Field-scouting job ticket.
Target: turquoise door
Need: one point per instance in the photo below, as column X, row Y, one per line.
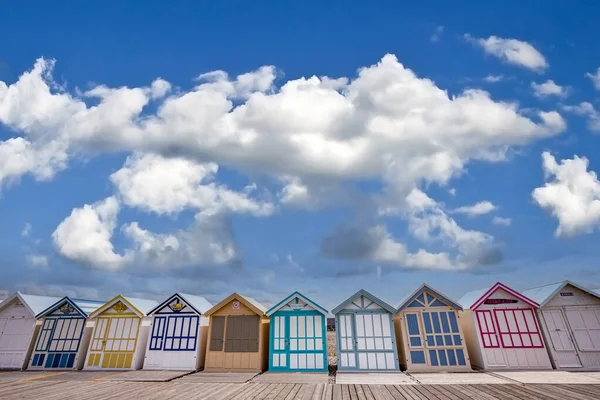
column 298, row 342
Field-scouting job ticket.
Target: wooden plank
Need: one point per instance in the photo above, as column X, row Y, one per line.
column 337, row 392
column 287, row 390
column 294, row 392
column 578, row 390
column 328, row 393
column 394, row 392
column 380, row 392
column 420, row 393
column 443, row 392
column 472, row 392
column 553, row 394
column 360, row 393
column 319, row 390
column 426, row 392
column 405, row 393
column 308, row 391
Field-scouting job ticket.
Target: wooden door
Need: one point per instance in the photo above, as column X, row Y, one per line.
column 490, row 341
column 114, row 342
column 561, row 341
column 306, row 342
column 279, row 343
column 375, row 342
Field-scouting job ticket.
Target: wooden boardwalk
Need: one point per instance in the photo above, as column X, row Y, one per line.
column 59, row 390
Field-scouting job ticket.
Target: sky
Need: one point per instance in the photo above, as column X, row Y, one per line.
column 263, row 148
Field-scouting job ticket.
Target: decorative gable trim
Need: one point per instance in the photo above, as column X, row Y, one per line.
column 367, row 295
column 421, row 292
column 166, row 303
column 59, row 304
column 510, row 291
column 298, row 295
column 230, row 298
column 119, row 308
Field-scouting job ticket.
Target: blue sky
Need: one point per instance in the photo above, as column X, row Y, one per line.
column 127, row 165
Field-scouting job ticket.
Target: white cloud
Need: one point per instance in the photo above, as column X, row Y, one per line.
column 549, row 88
column 26, row 230
column 437, row 34
column 587, row 110
column 481, row 208
column 501, row 221
column 170, row 185
column 595, row 77
column 314, row 136
column 315, row 130
column 207, row 242
column 571, row 194
column 36, row 260
column 494, row 78
column 85, row 235
column 512, row 51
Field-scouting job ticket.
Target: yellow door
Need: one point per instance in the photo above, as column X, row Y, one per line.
column 114, row 342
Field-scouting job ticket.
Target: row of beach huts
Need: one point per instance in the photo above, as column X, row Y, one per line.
column 551, row 326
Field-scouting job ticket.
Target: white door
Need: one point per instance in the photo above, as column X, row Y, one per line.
column 374, row 344
column 585, row 324
column 306, row 342
column 564, row 352
column 347, row 356
column 489, row 339
column 15, row 335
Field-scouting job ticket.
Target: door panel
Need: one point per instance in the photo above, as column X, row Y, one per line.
column 346, row 346
column 374, row 342
column 560, row 339
column 585, row 324
column 280, row 342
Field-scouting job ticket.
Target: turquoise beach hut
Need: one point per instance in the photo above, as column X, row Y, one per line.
column 297, row 335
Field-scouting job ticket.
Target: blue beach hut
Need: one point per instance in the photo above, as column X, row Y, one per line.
column 365, row 334
column 62, row 341
column 297, row 335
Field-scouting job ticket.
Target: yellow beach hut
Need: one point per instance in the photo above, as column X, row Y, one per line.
column 120, row 332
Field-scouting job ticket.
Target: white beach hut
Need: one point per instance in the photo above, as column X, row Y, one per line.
column 178, row 333
column 502, row 331
column 18, row 327
column 570, row 319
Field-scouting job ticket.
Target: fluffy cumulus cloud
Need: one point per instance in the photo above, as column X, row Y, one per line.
column 171, row 185
column 587, row 110
column 481, row 208
column 85, row 235
column 571, row 194
column 512, row 51
column 595, row 78
column 313, row 136
column 549, row 88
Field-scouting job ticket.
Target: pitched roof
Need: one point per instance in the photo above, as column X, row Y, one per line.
column 283, row 302
column 409, row 299
column 543, row 294
column 84, row 307
column 139, row 306
column 472, row 300
column 198, row 303
column 35, row 304
column 247, row 301
column 369, row 296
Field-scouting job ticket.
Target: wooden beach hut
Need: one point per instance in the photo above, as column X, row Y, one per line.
column 502, row 330
column 238, row 338
column 18, row 327
column 178, row 333
column 120, row 331
column 570, row 320
column 297, row 335
column 428, row 331
column 365, row 334
column 62, row 339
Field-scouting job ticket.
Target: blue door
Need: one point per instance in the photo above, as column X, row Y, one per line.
column 298, row 342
